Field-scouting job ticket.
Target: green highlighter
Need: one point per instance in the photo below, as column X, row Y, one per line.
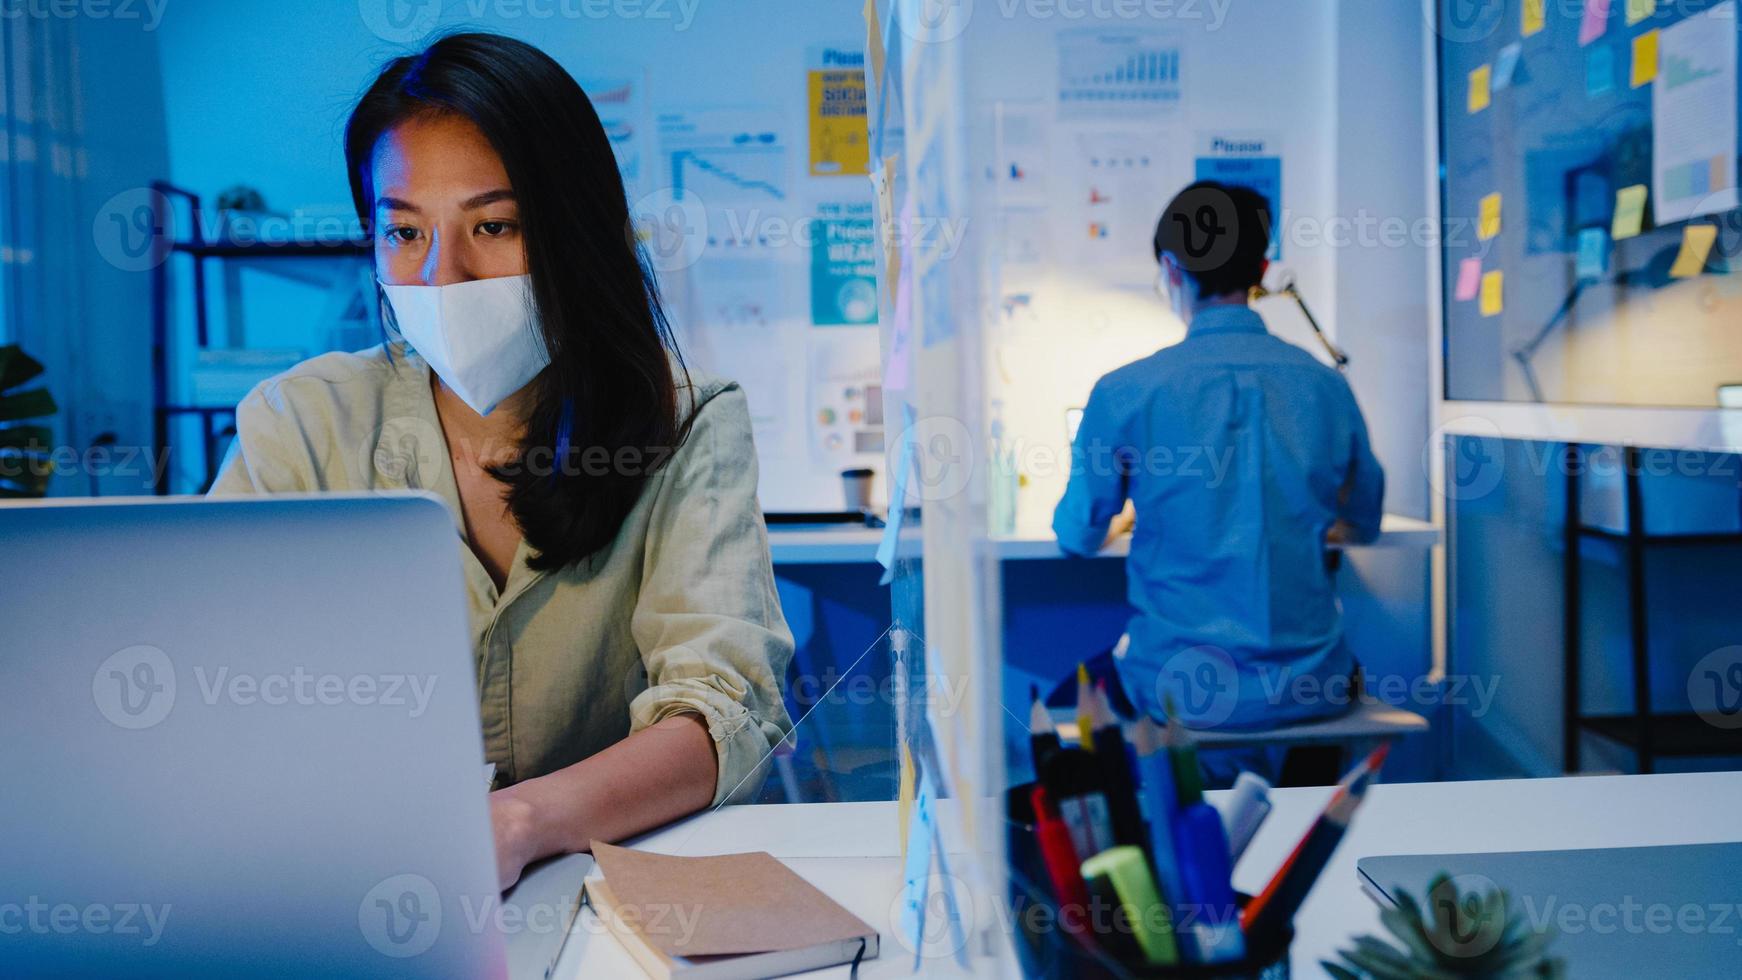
column 1124, row 872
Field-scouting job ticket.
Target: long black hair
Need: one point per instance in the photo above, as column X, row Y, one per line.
column 609, row 392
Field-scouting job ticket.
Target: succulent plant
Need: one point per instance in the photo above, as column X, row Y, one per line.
column 25, row 466
column 1458, row 934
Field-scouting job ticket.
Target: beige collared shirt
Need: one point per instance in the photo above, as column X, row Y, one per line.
column 678, row 614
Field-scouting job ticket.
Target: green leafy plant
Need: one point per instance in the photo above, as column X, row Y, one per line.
column 25, row 466
column 1459, row 934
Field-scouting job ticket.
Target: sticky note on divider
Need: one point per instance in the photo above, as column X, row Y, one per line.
column 1493, row 293
column 1599, row 70
column 1696, row 248
column 1506, row 65
column 1593, row 263
column 916, row 870
column 1469, row 278
column 1488, row 225
column 1596, row 21
column 1629, row 212
column 888, row 547
column 1481, row 92
column 1638, row 10
column 1535, row 14
column 1644, row 59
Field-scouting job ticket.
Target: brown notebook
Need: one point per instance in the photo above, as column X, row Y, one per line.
column 736, row 915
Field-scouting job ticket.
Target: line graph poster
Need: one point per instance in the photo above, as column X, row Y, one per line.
column 1693, row 104
column 840, row 142
column 1112, row 72
column 733, row 163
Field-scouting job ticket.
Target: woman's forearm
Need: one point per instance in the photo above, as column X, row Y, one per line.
column 653, row 777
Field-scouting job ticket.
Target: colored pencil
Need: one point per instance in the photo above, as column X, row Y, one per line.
column 1155, row 772
column 1063, row 865
column 1114, row 761
column 1187, row 777
column 1085, row 693
column 1043, row 735
column 1270, row 913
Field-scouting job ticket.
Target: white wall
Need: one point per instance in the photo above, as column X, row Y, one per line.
column 1382, row 273
column 1266, row 66
column 1340, row 88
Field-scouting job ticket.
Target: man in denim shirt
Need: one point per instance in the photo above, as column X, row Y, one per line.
column 1242, row 457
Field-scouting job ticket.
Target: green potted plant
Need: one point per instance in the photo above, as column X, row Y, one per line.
column 1460, row 934
column 25, row 443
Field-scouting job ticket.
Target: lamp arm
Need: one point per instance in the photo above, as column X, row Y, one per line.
column 1337, row 356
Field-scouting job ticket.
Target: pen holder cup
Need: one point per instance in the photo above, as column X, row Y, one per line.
column 1047, row 949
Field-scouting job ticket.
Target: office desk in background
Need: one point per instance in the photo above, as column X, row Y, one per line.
column 845, row 544
column 1058, row 610
column 849, row 850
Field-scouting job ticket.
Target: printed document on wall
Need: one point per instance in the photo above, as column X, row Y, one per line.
column 1693, row 106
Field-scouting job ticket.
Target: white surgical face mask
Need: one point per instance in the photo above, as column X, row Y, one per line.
column 481, row 337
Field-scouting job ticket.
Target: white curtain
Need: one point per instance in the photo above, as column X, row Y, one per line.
column 44, row 246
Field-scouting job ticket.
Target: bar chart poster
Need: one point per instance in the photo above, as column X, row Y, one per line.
column 1112, row 72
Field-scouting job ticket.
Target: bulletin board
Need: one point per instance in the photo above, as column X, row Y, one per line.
column 1591, row 224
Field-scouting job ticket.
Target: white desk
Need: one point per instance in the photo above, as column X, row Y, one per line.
column 849, row 850
column 814, row 545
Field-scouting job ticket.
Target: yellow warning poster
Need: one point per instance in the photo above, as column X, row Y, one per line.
column 840, row 139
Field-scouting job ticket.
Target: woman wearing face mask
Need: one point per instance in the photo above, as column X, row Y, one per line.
column 630, row 646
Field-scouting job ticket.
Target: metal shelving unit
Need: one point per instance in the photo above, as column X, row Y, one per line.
column 1651, row 735
column 216, row 422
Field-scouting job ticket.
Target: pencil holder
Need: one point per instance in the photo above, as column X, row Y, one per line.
column 1046, row 949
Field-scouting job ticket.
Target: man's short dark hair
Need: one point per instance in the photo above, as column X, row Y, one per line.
column 1218, row 233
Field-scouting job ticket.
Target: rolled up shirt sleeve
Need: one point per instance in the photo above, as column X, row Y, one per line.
column 1362, row 501
column 1099, row 481
column 708, row 620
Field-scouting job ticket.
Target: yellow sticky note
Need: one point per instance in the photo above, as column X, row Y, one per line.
column 1696, row 246
column 1638, row 10
column 1480, row 94
column 1535, row 15
column 904, row 797
column 1489, row 224
column 1629, row 212
column 1493, row 293
column 1644, row 59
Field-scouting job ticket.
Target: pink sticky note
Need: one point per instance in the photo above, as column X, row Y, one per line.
column 1469, row 278
column 1596, row 21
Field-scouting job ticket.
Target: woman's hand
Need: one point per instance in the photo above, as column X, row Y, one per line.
column 661, row 773
column 516, row 845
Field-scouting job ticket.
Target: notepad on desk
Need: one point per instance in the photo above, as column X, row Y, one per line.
column 721, row 918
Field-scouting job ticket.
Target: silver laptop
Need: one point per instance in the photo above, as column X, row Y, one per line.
column 241, row 738
column 1615, row 912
